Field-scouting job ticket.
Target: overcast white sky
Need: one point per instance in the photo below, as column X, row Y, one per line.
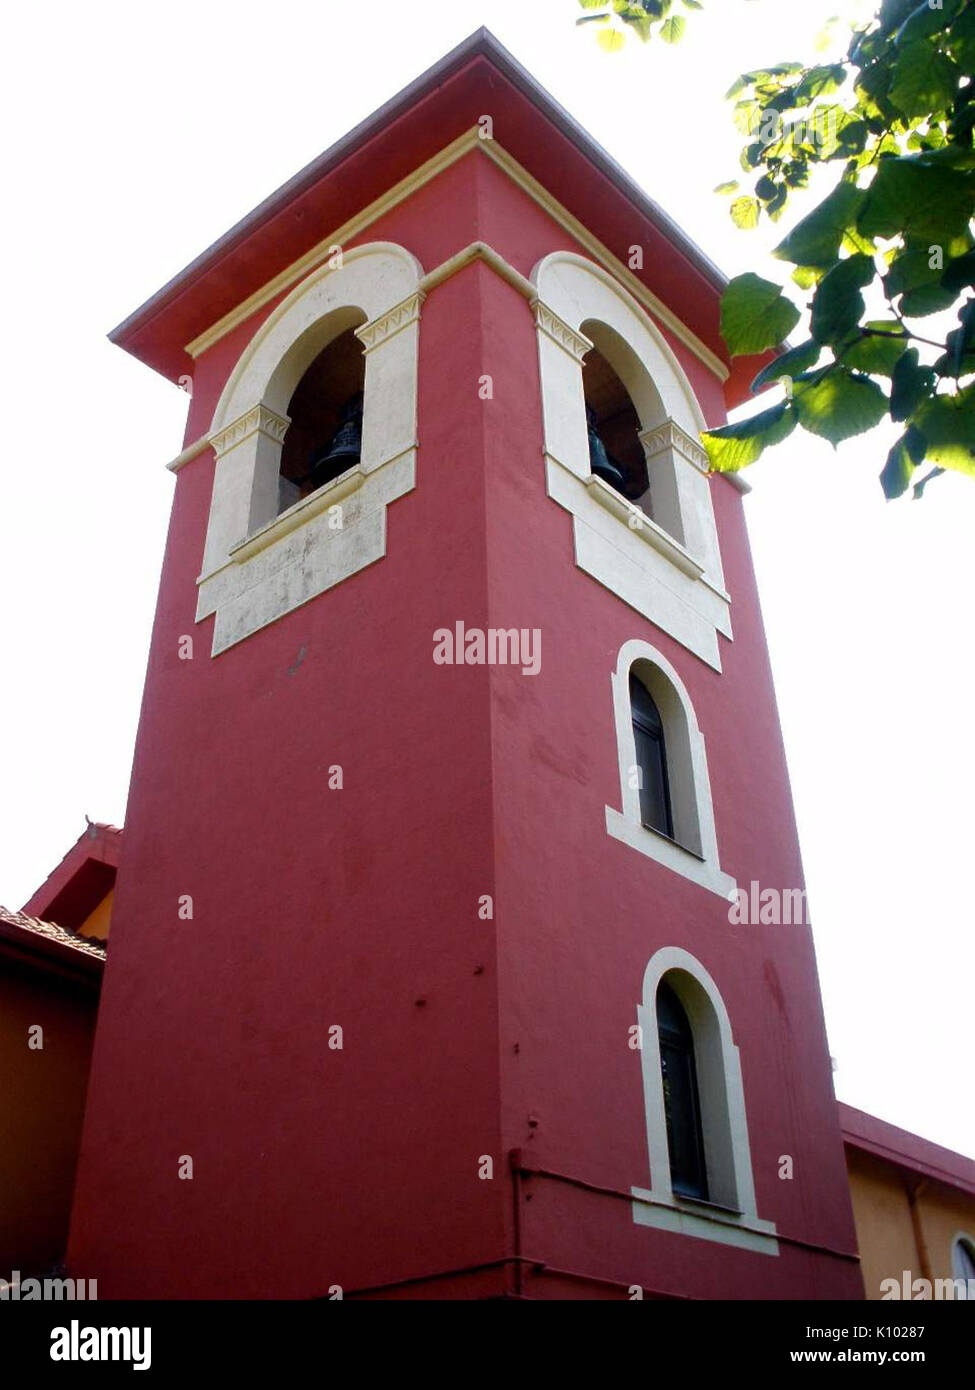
column 137, row 134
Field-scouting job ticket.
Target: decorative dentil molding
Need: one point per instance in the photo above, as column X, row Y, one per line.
column 548, row 322
column 380, row 330
column 669, row 435
column 258, row 420
column 438, row 276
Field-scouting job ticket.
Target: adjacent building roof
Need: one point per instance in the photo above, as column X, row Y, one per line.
column 78, row 884
column 46, row 931
column 905, row 1150
column 32, row 939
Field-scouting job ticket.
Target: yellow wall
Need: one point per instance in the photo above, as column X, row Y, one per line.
column 885, row 1230
column 97, row 923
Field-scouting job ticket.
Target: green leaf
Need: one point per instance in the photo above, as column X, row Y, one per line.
column 839, row 405
column 960, row 274
column 926, row 299
column 961, row 40
column 910, row 385
column 916, row 272
column 817, row 82
column 792, row 364
column 815, row 241
column 761, row 76
column 897, row 472
column 838, row 305
column 851, row 137
column 755, row 315
column 672, row 30
column 948, row 425
column 744, row 213
column 805, row 276
column 910, row 268
column 924, row 80
column 878, row 350
column 610, row 39
column 959, row 359
column 925, row 19
column 928, row 477
column 641, row 25
column 735, row 446
column 919, row 200
column 731, row 186
column 953, row 156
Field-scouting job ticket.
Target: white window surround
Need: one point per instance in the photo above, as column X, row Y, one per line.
column 668, row 569
column 731, row 1216
column 257, row 565
column 693, row 852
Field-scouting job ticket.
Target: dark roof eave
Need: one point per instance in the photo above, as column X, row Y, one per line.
column 43, row 952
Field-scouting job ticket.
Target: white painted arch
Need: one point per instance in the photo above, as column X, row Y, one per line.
column 580, row 290
column 693, row 852
column 258, row 565
column 731, row 1215
column 372, row 279
column 661, row 554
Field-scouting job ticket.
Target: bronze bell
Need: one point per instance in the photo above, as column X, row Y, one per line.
column 344, row 448
column 599, row 460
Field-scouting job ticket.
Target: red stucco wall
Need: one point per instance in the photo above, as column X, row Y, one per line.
column 314, row 907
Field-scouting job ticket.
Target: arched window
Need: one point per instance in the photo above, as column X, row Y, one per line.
column 701, row 1181
column 963, row 1260
column 324, row 437
column 666, row 811
column 651, row 760
column 682, row 1104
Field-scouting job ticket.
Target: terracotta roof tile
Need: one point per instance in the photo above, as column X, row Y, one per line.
column 88, row 946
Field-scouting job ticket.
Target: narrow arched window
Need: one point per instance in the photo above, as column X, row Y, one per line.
column 963, row 1261
column 651, row 760
column 682, row 1106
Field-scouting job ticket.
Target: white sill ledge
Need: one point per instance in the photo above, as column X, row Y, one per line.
column 661, row 848
column 704, row 1221
column 636, row 520
column 297, row 514
column 669, row 854
column 716, row 1209
column 685, row 849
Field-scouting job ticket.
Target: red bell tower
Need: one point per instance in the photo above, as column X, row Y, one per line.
column 458, row 741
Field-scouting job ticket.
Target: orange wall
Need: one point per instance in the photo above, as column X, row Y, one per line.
column 41, row 1107
column 885, row 1231
column 97, row 923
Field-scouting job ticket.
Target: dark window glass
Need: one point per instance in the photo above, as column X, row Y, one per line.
column 651, row 759
column 685, row 1139
column 963, row 1261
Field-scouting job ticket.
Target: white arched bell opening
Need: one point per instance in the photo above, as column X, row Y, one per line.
column 580, row 306
column 258, row 565
column 731, row 1216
